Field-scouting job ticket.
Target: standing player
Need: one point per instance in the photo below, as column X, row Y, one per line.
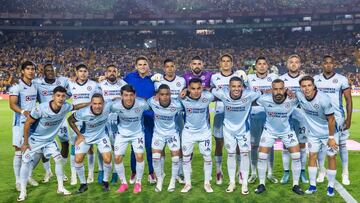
column 22, row 101
column 40, row 130
column 335, row 86
column 165, row 133
column 237, row 103
column 81, row 91
column 291, row 80
column 197, row 71
column 110, row 89
column 320, row 126
column 94, row 119
column 197, row 130
column 130, row 130
column 260, row 81
column 45, row 87
column 278, row 108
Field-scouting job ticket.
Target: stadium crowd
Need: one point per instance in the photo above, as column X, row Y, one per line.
column 98, row 49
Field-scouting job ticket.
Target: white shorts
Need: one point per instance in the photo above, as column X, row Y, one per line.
column 17, row 135
column 315, row 144
column 49, row 149
column 343, row 134
column 256, row 129
column 231, row 141
column 268, row 140
column 189, row 139
column 173, row 142
column 218, row 125
column 121, row 143
column 103, row 145
column 63, row 132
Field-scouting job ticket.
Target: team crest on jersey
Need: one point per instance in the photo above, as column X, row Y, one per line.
column 178, row 84
column 27, row 156
column 189, row 110
column 137, row 110
column 172, row 109
column 156, row 142
column 244, row 100
column 106, row 93
column 58, row 83
column 269, row 80
column 287, row 105
column 116, row 148
column 89, row 88
column 316, row 106
column 45, row 93
column 77, row 147
column 203, row 77
column 228, row 108
column 157, row 116
column 204, row 100
column 335, row 81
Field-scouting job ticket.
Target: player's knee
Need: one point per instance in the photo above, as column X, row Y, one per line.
column 118, row 159
column 207, row 158
column 78, row 159
column 263, row 156
column 175, row 159
column 107, row 158
column 295, row 155
column 156, row 156
column 139, row 157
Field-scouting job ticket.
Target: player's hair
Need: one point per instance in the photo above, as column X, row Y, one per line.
column 97, row 95
column 277, row 81
column 195, row 80
column 59, row 89
column 47, row 65
column 196, row 58
column 163, row 87
column 27, row 63
column 260, row 58
column 294, row 56
column 81, row 65
column 127, row 88
column 307, row 78
column 327, row 56
column 226, row 55
column 168, row 60
column 141, row 58
column 111, row 65
column 236, row 78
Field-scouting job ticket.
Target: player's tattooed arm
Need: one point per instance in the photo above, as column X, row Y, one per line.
column 81, row 105
column 72, row 120
column 27, row 125
column 349, row 107
column 331, row 125
column 13, row 102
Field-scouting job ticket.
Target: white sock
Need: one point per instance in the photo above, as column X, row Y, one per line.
column 72, row 164
column 321, row 158
column 91, row 163
column 312, row 175
column 303, row 158
column 286, row 159
column 107, row 170
column 64, row 161
column 231, row 165
column 162, row 161
column 59, row 173
column 344, row 156
column 24, row 174
column 80, row 170
column 238, row 160
column 181, row 172
column 174, row 166
column 156, row 158
column 254, row 159
column 271, row 161
column 139, row 171
column 218, row 161
column 207, row 168
column 120, row 169
column 261, row 166
column 47, row 166
column 187, row 169
column 331, row 174
column 244, row 166
column 17, row 165
column 296, row 167
column 100, row 161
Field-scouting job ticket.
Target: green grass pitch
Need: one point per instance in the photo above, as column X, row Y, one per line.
column 274, row 193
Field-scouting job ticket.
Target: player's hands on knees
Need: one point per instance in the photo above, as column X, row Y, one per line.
column 25, row 147
column 27, row 114
column 332, row 144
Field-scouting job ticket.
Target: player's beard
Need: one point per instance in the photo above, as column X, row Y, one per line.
column 112, row 78
column 279, row 98
column 197, row 71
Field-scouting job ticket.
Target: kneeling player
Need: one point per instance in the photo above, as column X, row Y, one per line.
column 236, row 131
column 320, row 122
column 278, row 109
column 165, row 132
column 45, row 121
column 94, row 119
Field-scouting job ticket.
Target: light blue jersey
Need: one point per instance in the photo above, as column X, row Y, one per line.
column 93, row 126
column 130, row 118
column 48, row 122
column 236, row 111
column 315, row 112
column 197, row 113
column 82, row 93
column 45, row 90
column 334, row 88
column 111, row 90
column 26, row 95
column 292, row 83
column 164, row 117
column 277, row 115
column 220, row 81
column 176, row 85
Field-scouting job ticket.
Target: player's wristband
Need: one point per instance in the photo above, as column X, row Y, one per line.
column 331, row 137
column 22, row 111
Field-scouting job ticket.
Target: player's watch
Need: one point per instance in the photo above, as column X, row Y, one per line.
column 331, row 137
column 22, row 111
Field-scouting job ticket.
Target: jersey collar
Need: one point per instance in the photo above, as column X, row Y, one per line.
column 83, row 83
column 236, row 98
column 122, row 102
column 166, row 105
column 327, row 78
column 169, row 80
column 26, row 83
column 316, row 91
column 53, row 110
column 232, row 72
column 294, row 76
column 94, row 112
